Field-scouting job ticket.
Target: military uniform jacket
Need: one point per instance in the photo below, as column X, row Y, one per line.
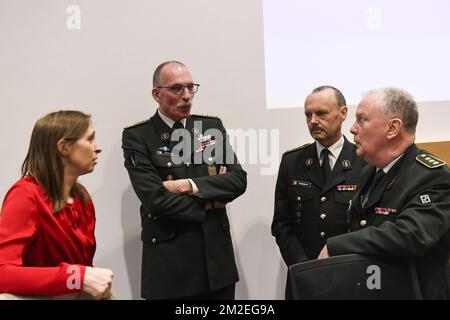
column 307, row 212
column 187, row 250
column 407, row 216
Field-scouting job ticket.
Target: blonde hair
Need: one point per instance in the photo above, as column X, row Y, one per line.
column 43, row 161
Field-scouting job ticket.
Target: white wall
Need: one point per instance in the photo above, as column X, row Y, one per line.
column 105, row 69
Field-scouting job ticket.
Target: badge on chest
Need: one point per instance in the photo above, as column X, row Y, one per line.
column 299, row 183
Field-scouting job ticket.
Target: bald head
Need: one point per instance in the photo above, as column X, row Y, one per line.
column 159, row 71
column 338, row 96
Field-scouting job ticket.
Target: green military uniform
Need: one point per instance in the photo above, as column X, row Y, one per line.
column 407, row 215
column 187, row 250
column 307, row 212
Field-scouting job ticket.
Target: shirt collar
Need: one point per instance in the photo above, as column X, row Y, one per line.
column 335, row 149
column 169, row 121
column 390, row 165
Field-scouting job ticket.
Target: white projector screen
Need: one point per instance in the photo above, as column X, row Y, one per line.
column 355, row 45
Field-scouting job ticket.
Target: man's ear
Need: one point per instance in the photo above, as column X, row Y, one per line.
column 155, row 94
column 395, row 125
column 63, row 147
column 343, row 113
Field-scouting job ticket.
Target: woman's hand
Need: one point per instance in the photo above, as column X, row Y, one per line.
column 98, row 282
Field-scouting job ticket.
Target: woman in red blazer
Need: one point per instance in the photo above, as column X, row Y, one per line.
column 47, row 220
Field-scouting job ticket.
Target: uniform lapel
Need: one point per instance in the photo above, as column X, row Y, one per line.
column 378, row 191
column 162, row 129
column 393, row 174
column 362, row 188
column 312, row 163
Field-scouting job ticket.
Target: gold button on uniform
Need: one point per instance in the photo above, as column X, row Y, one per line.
column 154, row 240
column 322, row 234
column 323, row 216
column 299, row 198
column 169, row 164
column 149, row 215
column 323, row 199
column 363, row 223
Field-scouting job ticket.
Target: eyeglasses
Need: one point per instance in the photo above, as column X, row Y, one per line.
column 178, row 89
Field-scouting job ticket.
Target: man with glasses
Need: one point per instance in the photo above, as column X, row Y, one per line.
column 316, row 182
column 183, row 187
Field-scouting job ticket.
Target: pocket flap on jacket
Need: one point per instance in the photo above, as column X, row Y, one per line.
column 304, row 193
column 344, row 197
column 155, row 232
column 161, row 161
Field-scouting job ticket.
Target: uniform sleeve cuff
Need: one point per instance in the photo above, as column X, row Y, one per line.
column 195, row 191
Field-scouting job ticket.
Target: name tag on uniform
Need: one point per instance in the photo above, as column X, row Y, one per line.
column 304, row 184
column 385, row 211
column 347, row 187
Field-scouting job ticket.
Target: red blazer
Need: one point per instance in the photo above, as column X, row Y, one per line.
column 42, row 253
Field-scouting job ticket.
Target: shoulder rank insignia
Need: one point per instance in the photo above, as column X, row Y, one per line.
column 204, row 116
column 137, row 123
column 429, row 161
column 298, row 148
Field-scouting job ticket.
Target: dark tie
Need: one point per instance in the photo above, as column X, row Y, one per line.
column 376, row 179
column 326, row 169
column 177, row 125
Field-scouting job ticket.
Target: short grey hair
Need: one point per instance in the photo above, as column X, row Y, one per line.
column 399, row 103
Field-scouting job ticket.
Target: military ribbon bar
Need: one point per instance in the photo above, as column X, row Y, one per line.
column 385, row 211
column 347, row 187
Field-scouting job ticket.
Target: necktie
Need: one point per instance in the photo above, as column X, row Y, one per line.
column 177, row 125
column 376, row 179
column 326, row 169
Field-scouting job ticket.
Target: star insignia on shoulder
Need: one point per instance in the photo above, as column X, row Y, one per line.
column 137, row 123
column 298, row 148
column 429, row 161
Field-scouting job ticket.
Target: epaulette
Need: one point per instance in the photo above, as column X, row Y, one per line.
column 137, row 123
column 204, row 116
column 429, row 161
column 298, row 148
